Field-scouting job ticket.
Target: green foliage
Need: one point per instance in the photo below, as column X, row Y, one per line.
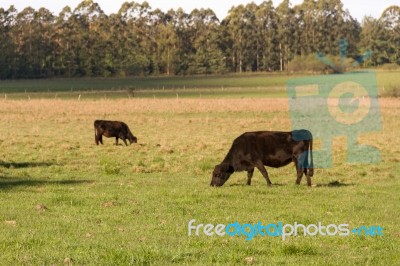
column 307, row 63
column 310, row 64
column 139, row 41
column 382, row 37
column 389, row 67
column 109, row 167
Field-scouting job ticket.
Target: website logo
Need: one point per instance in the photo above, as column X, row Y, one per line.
column 343, row 104
column 249, row 231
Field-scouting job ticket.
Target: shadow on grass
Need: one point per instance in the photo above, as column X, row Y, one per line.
column 10, row 182
column 24, row 164
column 331, row 184
column 335, row 184
column 245, row 185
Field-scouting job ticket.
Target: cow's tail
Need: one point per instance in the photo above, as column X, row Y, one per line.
column 311, row 165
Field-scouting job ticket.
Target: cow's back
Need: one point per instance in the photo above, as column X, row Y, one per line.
column 264, row 141
column 109, row 128
column 270, row 147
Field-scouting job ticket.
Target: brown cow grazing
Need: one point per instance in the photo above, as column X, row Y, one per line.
column 110, row 129
column 275, row 149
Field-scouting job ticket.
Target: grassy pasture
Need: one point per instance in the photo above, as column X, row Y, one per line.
column 227, row 86
column 65, row 200
column 146, row 83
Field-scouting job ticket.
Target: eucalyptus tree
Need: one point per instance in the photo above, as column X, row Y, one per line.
column 183, row 48
column 25, row 43
column 207, row 55
column 62, row 36
column 267, row 21
column 45, row 46
column 328, row 27
column 286, row 30
column 8, row 60
column 390, row 20
column 351, row 31
column 370, row 27
column 165, row 42
column 335, row 24
column 252, row 42
column 245, row 36
column 382, row 37
column 87, row 19
column 306, row 27
column 137, row 40
column 235, row 29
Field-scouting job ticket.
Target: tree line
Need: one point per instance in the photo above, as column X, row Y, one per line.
column 139, row 40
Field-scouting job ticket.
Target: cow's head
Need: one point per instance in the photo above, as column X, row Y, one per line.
column 132, row 139
column 220, row 174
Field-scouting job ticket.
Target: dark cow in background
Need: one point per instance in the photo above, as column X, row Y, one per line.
column 116, row 129
column 275, row 149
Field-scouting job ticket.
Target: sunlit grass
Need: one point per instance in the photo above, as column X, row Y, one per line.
column 225, row 86
column 117, row 205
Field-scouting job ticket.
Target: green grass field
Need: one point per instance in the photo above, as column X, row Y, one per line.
column 67, row 201
column 155, row 83
column 233, row 85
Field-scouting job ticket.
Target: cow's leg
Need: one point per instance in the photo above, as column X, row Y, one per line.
column 249, row 176
column 116, row 141
column 95, row 136
column 308, row 175
column 126, row 144
column 299, row 172
column 260, row 166
column 98, row 136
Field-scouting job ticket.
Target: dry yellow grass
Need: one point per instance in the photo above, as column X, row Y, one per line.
column 111, row 107
column 204, row 123
column 160, row 117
